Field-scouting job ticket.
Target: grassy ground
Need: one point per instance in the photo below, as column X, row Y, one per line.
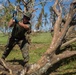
column 39, row 44
column 3, row 39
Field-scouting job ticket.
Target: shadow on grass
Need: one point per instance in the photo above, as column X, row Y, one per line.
column 60, row 63
column 70, row 73
column 16, row 61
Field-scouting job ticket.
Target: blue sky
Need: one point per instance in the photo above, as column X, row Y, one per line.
column 39, row 6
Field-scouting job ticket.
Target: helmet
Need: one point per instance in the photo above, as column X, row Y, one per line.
column 28, row 15
column 74, row 1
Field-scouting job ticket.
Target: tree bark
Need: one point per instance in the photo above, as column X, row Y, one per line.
column 68, row 42
column 50, row 58
column 69, row 31
column 3, row 63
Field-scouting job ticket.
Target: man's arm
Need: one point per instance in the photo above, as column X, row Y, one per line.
column 26, row 26
column 11, row 23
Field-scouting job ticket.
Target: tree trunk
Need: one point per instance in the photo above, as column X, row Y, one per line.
column 50, row 58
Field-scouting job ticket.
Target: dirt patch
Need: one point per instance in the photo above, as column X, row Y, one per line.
column 2, row 47
column 36, row 46
column 15, row 66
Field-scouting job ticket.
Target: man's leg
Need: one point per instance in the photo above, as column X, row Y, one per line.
column 25, row 51
column 9, row 46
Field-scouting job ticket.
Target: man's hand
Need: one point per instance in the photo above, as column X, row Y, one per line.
column 11, row 23
column 15, row 19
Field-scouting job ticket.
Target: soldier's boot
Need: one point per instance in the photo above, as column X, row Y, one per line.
column 25, row 69
column 3, row 57
column 26, row 66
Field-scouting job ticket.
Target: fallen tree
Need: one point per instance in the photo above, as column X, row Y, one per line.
column 51, row 57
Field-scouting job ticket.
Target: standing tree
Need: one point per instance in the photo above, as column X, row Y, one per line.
column 6, row 15
column 39, row 23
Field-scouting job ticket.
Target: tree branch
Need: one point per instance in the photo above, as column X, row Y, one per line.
column 69, row 42
column 57, row 23
column 3, row 63
column 53, row 48
column 51, row 62
column 69, row 31
column 66, row 54
column 10, row 3
column 24, row 2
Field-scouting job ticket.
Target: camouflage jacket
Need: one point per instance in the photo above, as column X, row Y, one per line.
column 19, row 32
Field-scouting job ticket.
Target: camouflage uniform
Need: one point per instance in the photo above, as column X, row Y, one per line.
column 19, row 36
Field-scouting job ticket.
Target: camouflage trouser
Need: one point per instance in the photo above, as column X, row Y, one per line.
column 24, row 47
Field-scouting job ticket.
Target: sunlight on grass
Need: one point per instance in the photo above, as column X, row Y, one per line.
column 37, row 53
column 3, row 39
column 15, row 54
column 41, row 38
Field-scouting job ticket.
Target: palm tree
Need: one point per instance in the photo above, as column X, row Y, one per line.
column 52, row 16
column 39, row 23
column 45, row 18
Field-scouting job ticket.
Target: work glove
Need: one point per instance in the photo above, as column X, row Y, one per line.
column 14, row 13
column 15, row 16
column 15, row 19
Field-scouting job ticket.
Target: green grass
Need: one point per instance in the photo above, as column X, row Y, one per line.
column 40, row 42
column 3, row 39
column 68, row 69
column 16, row 54
column 41, row 38
column 70, row 65
column 37, row 53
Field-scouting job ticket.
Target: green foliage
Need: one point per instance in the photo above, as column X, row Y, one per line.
column 73, row 46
